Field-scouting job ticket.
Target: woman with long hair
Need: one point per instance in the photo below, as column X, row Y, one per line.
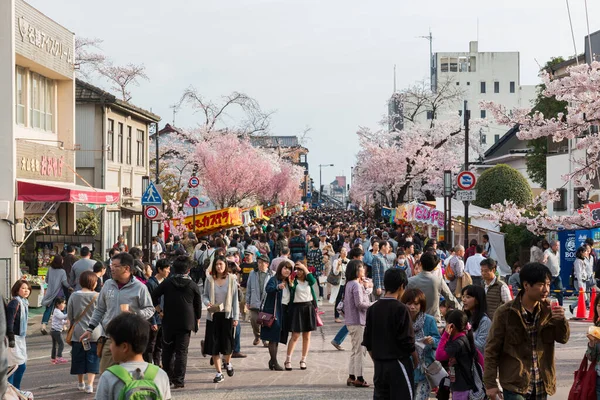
column 458, row 346
column 580, row 272
column 356, row 303
column 277, row 303
column 221, row 299
column 58, row 286
column 426, row 332
column 17, row 314
column 303, row 316
column 475, row 306
column 81, row 308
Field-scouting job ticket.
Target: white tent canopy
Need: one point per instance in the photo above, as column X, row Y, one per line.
column 475, row 214
column 493, row 230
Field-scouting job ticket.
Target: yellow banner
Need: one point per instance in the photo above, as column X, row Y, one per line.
column 214, row 220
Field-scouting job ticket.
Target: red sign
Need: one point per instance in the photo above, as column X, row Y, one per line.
column 466, row 180
column 151, row 212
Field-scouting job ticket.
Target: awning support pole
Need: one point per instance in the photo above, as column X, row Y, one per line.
column 38, row 224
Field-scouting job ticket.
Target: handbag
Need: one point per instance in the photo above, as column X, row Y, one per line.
column 434, row 373
column 319, row 320
column 333, row 279
column 69, row 338
column 266, row 319
column 12, row 393
column 584, row 383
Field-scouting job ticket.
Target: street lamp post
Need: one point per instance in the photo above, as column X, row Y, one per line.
column 320, row 179
column 447, row 207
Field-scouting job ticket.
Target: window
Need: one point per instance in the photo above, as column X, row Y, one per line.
column 120, row 144
column 128, row 150
column 496, row 87
column 468, row 83
column 453, row 64
column 482, row 87
column 444, row 65
column 137, row 233
column 483, row 138
column 302, row 158
column 42, row 102
column 577, row 201
column 429, row 114
column 561, row 204
column 463, row 64
column 512, row 87
column 20, row 95
column 496, row 138
column 457, row 83
column 140, row 148
column 110, row 140
column 482, row 113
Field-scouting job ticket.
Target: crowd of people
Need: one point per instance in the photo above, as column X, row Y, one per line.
column 432, row 318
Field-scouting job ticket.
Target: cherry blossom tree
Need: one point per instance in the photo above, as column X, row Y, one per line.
column 122, row 76
column 232, row 172
column 581, row 90
column 391, row 162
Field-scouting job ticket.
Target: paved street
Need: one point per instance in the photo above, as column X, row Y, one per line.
column 324, row 379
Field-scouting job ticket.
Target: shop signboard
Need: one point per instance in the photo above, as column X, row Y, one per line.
column 214, row 220
column 41, row 162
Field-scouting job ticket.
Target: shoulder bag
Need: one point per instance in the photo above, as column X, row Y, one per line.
column 266, row 319
column 584, row 384
column 69, row 338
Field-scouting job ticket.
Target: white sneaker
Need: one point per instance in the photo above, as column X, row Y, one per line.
column 81, row 386
column 89, row 389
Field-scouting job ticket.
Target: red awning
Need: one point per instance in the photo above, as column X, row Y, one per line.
column 60, row 192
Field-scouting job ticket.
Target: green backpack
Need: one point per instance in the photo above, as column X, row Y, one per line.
column 137, row 389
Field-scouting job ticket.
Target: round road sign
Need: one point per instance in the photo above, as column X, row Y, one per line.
column 466, row 180
column 193, row 182
column 194, row 202
column 151, row 212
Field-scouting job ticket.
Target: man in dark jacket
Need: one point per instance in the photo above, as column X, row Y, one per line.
column 390, row 340
column 521, row 349
column 181, row 314
column 154, row 349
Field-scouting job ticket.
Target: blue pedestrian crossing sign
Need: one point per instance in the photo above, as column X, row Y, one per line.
column 151, row 197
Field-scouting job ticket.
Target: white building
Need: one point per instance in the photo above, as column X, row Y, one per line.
column 112, row 139
column 489, row 76
column 37, row 121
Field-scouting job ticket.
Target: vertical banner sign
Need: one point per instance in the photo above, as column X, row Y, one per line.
column 568, row 248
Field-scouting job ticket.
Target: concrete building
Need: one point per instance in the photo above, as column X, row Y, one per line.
column 477, row 76
column 112, row 143
column 37, row 120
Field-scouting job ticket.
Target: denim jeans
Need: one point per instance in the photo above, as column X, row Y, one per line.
column 238, row 332
column 47, row 313
column 341, row 335
column 15, row 379
column 556, row 284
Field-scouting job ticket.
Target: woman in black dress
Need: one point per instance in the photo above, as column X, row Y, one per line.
column 276, row 302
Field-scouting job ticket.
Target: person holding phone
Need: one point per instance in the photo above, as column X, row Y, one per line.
column 303, row 316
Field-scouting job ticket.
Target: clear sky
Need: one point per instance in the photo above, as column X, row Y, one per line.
column 323, row 64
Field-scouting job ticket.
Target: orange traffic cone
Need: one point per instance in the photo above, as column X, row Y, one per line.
column 511, row 292
column 592, row 308
column 581, row 305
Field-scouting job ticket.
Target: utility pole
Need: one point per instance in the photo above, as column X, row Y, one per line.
column 467, row 114
column 431, row 66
